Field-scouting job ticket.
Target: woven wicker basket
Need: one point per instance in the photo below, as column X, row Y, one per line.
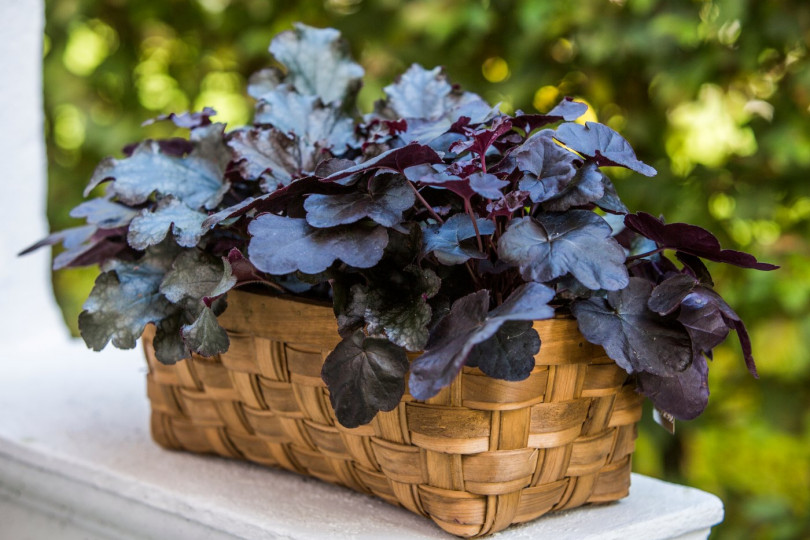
column 478, row 457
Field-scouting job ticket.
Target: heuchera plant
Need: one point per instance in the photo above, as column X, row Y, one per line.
column 435, row 224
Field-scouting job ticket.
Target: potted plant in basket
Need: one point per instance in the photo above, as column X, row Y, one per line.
column 445, row 234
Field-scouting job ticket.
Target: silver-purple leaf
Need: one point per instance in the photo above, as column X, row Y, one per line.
column 195, row 275
column 585, row 187
column 196, row 179
column 445, row 240
column 281, row 245
column 266, row 154
column 419, row 93
column 602, row 144
column 487, row 185
column 104, row 213
column 548, row 167
column 318, row 62
column 554, row 244
column 150, row 227
column 387, row 198
column 123, row 301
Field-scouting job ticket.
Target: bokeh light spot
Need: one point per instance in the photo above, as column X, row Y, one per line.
column 495, row 69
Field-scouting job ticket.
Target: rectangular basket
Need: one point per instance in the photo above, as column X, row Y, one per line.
column 481, row 455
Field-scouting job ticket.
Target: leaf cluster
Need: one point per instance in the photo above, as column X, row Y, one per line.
column 436, row 225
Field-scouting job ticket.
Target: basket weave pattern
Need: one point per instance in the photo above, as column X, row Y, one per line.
column 481, row 455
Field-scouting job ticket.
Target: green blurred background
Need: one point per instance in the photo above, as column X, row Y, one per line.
column 714, row 94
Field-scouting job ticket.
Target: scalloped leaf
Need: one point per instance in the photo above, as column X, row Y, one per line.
column 635, row 337
column 603, row 145
column 194, row 276
column 196, row 179
column 398, row 307
column 683, row 395
column 265, row 154
column 205, row 336
column 104, row 213
column 509, row 354
column 467, row 325
column 125, row 299
column 419, row 93
column 445, row 240
column 150, row 227
column 548, row 166
column 318, row 62
column 364, row 376
column 282, row 245
column 384, row 203
column 315, row 125
column 552, row 245
column 587, row 186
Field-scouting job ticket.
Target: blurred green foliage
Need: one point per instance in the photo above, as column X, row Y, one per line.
column 715, row 94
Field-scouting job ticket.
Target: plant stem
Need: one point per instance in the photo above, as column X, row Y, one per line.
column 475, row 278
column 642, row 255
column 425, row 204
column 469, row 210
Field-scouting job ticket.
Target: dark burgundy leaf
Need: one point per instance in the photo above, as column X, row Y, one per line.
column 704, row 313
column 635, row 337
column 364, row 376
column 506, row 206
column 509, row 354
column 568, row 110
column 683, row 395
column 104, row 245
column 690, row 239
column 467, row 325
column 397, row 159
column 276, row 201
column 696, row 267
column 602, row 144
column 482, row 139
column 666, row 297
column 70, row 238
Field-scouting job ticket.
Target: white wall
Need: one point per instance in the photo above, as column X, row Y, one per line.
column 28, row 315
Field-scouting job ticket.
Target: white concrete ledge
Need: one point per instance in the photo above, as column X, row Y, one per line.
column 75, row 451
